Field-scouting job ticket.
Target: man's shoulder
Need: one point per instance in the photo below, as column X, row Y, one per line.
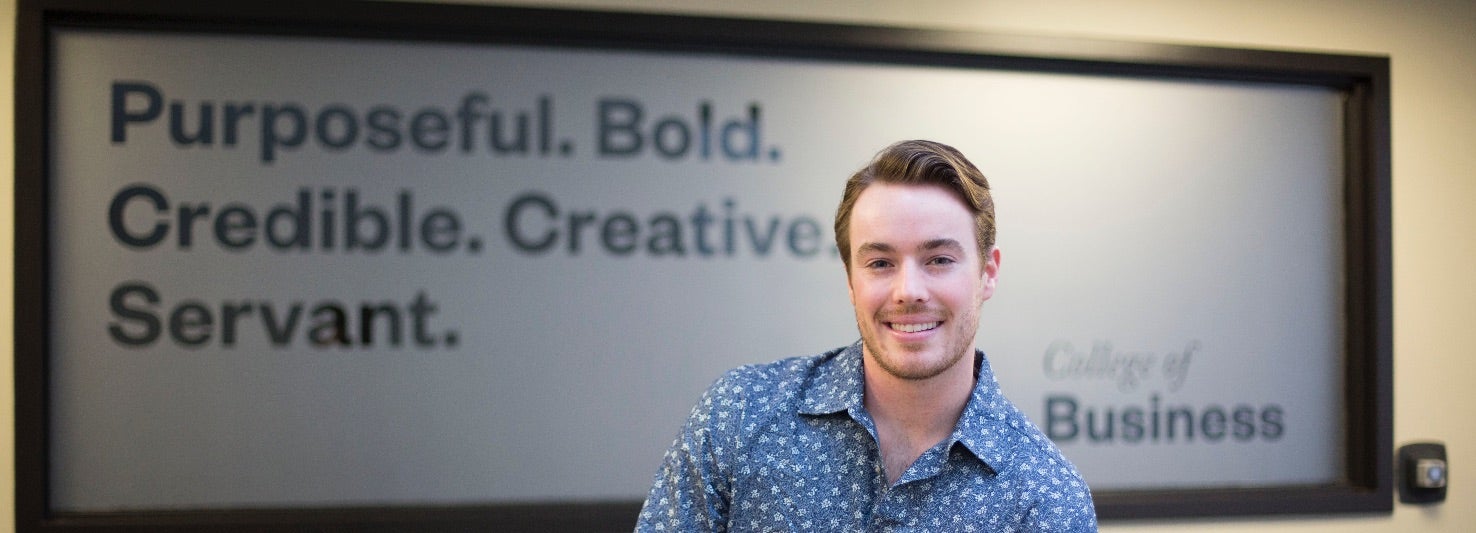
column 1028, row 446
column 1040, row 463
column 1060, row 495
column 1039, row 454
column 784, row 377
column 742, row 398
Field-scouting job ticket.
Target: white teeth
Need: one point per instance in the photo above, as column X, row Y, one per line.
column 914, row 328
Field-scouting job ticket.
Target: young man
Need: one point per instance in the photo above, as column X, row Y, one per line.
column 905, row 430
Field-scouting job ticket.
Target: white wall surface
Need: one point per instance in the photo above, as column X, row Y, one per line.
column 1432, row 45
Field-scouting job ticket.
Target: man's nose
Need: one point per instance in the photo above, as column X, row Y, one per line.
column 910, row 285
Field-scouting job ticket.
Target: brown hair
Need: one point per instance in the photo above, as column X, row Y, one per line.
column 921, row 163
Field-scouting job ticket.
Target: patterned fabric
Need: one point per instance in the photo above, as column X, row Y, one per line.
column 788, row 446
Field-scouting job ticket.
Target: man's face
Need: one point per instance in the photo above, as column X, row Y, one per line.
column 916, row 279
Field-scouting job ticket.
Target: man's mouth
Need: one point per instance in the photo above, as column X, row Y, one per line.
column 913, row 328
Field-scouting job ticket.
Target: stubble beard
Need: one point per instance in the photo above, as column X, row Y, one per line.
column 960, row 341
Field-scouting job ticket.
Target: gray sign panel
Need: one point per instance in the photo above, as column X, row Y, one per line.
column 306, row 272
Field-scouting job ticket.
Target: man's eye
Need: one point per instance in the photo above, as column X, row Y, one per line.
column 943, row 261
column 879, row 264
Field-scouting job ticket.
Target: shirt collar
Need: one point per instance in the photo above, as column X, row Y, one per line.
column 983, row 428
column 837, row 384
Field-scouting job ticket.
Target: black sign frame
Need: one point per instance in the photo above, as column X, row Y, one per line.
column 1363, row 81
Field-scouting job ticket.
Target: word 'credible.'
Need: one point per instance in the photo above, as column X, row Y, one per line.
column 142, row 216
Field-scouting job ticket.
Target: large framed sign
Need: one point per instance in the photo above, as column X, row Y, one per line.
column 388, row 266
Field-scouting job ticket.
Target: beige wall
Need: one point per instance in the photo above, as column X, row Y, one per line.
column 1433, row 49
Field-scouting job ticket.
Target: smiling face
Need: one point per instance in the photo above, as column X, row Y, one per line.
column 916, row 278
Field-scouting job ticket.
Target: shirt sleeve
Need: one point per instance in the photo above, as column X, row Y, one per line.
column 690, row 492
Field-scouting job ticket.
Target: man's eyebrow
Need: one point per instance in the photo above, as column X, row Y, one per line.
column 877, row 247
column 950, row 244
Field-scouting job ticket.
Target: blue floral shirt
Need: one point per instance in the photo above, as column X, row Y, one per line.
column 788, row 446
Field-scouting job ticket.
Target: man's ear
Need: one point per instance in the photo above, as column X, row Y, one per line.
column 990, row 273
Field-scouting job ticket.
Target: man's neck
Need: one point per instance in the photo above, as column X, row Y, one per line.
column 914, row 415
